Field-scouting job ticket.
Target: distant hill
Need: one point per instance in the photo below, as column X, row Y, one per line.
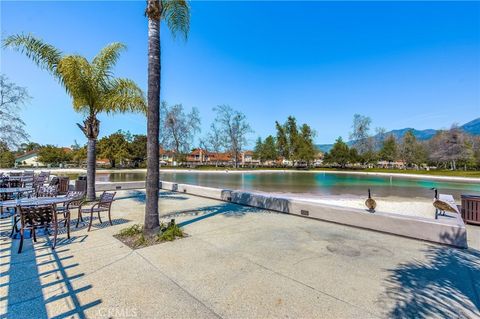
column 472, row 127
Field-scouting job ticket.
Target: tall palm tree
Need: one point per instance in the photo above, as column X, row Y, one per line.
column 176, row 14
column 91, row 85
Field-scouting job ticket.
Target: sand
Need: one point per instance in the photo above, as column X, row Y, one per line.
column 396, row 205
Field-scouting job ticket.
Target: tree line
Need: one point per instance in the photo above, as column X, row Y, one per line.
column 292, row 143
column 447, row 149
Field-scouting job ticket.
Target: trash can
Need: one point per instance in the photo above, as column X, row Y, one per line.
column 81, row 183
column 63, row 185
column 471, row 209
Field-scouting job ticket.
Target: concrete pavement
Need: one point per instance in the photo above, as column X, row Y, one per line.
column 238, row 262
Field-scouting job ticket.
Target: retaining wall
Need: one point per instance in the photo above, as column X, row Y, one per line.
column 449, row 230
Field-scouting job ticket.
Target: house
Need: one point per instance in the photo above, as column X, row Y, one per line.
column 29, row 159
column 247, row 159
column 222, row 159
column 196, row 157
column 166, row 157
column 391, row 164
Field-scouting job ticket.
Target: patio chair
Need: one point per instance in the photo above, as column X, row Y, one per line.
column 54, row 181
column 47, row 191
column 45, row 174
column 104, row 204
column 37, row 217
column 76, row 200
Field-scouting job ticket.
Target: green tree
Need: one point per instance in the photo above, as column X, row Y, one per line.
column 28, row 147
column 50, row 154
column 79, row 153
column 176, row 14
column 388, row 152
column 282, row 141
column 293, row 138
column 114, row 147
column 269, row 149
column 258, row 150
column 138, row 149
column 339, row 154
column 306, row 149
column 91, row 85
column 7, row 159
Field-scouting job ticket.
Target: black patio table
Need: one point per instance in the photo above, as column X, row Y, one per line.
column 14, row 190
column 34, row 201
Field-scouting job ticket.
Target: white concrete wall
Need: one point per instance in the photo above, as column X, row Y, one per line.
column 445, row 230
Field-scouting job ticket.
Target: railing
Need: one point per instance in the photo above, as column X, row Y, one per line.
column 471, row 209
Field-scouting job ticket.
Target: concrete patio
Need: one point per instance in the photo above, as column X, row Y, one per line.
column 238, row 262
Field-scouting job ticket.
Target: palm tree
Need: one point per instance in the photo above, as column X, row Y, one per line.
column 176, row 13
column 91, row 85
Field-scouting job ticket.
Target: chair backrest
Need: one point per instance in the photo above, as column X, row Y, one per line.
column 54, row 181
column 106, row 199
column 47, row 191
column 44, row 174
column 75, row 194
column 63, row 185
column 40, row 180
column 28, row 174
column 37, row 215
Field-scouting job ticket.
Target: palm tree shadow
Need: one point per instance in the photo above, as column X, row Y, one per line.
column 225, row 209
column 444, row 285
column 140, row 197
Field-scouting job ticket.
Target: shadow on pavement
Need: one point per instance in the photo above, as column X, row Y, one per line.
column 445, row 285
column 39, row 270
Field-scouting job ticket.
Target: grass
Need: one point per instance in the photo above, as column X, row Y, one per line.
column 135, row 238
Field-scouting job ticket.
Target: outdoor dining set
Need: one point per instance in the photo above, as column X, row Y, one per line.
column 41, row 203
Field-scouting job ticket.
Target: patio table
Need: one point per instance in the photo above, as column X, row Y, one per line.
column 28, row 202
column 14, row 190
column 34, row 201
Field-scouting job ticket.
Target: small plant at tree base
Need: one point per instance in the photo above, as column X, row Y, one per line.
column 131, row 231
column 171, row 233
column 134, row 236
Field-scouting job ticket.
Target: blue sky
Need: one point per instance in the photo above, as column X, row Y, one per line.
column 404, row 64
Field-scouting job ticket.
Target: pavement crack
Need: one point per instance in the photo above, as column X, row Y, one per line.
column 178, row 285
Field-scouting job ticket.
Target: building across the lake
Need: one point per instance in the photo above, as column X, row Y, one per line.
column 29, row 159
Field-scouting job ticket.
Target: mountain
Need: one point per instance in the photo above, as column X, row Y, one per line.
column 472, row 127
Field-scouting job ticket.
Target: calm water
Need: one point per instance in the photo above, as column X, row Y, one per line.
column 310, row 183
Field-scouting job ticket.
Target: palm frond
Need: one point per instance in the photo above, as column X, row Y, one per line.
column 106, row 59
column 124, row 96
column 75, row 73
column 43, row 54
column 176, row 14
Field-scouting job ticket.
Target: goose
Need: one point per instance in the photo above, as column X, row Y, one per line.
column 441, row 206
column 370, row 202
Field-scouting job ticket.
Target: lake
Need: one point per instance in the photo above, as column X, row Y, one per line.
column 312, row 183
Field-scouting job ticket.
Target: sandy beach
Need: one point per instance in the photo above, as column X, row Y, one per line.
column 395, row 205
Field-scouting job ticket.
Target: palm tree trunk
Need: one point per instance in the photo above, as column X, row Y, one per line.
column 91, row 161
column 152, row 222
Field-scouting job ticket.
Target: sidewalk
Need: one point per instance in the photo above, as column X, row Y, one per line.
column 239, row 262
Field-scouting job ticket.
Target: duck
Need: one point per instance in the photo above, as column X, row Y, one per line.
column 441, row 206
column 370, row 202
